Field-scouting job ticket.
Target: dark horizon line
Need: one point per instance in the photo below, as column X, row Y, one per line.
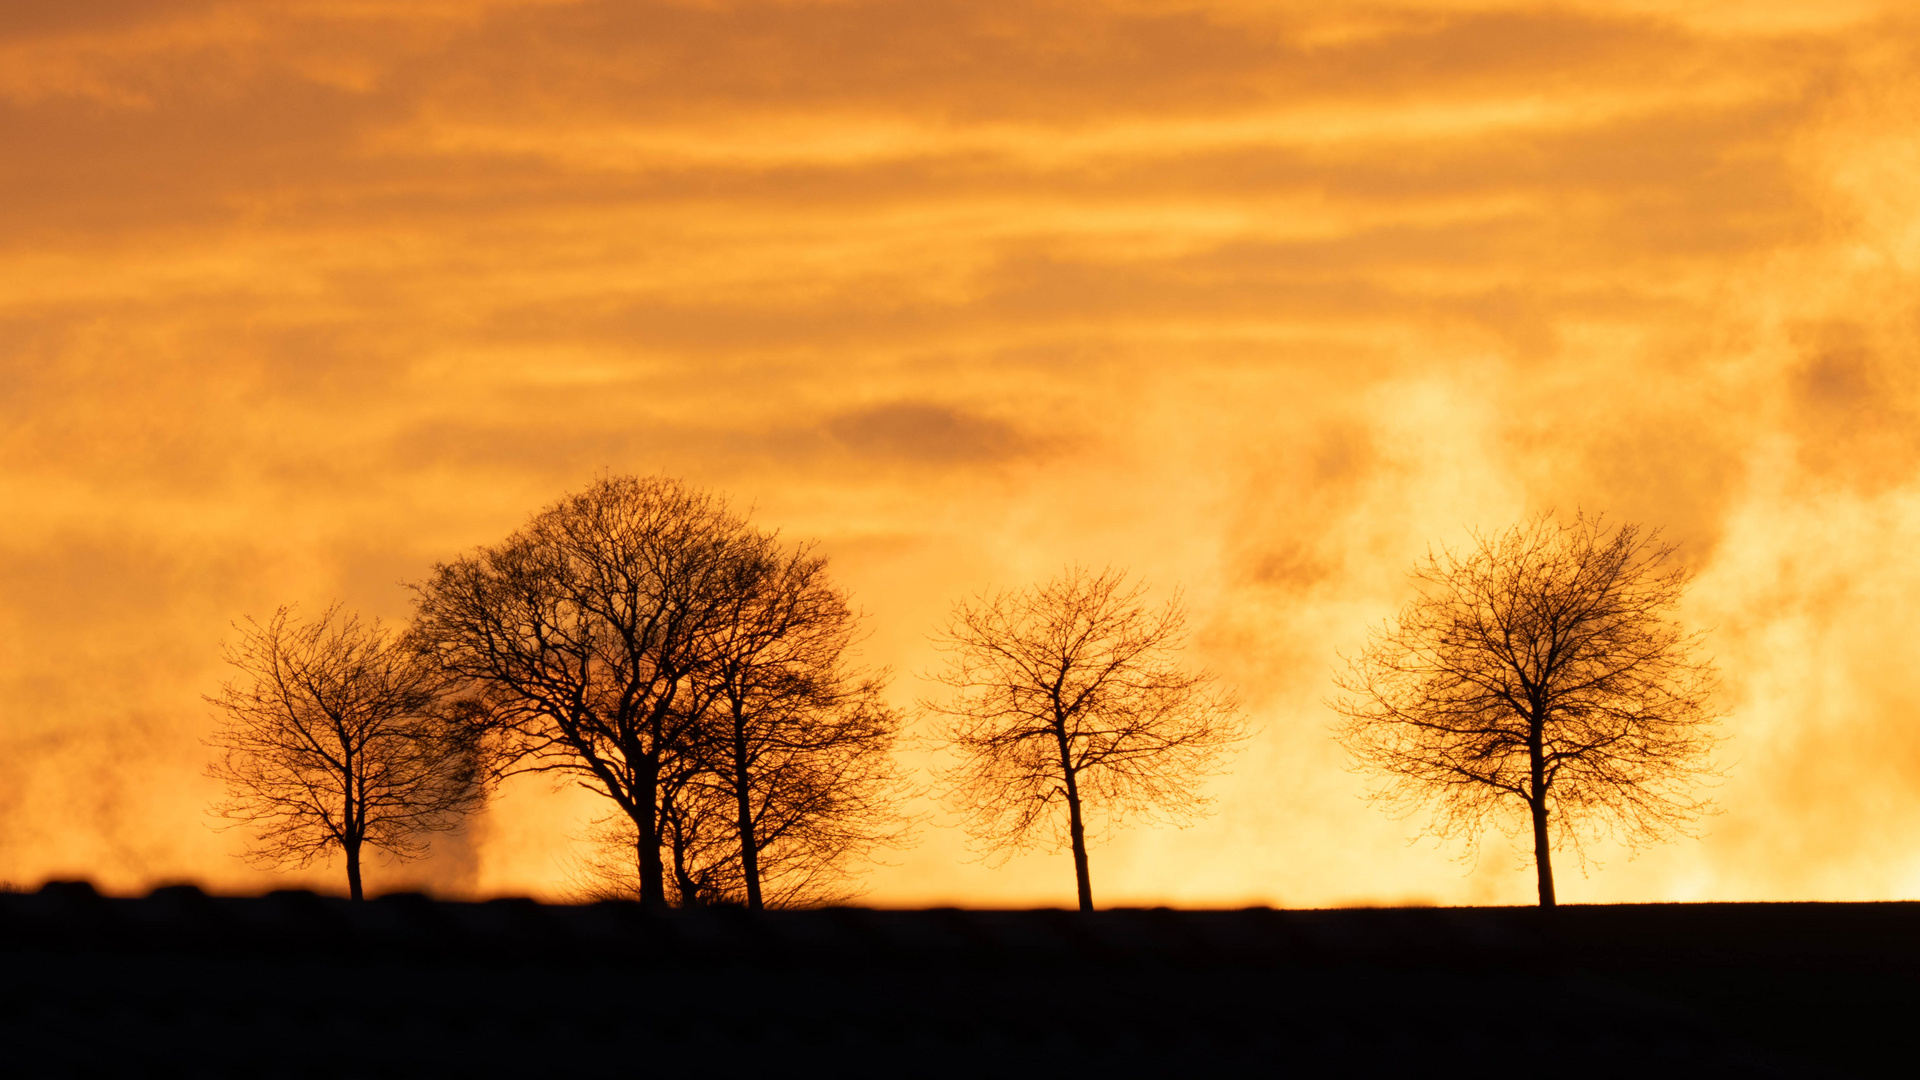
column 82, row 887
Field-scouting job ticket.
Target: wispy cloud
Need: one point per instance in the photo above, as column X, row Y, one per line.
column 1261, row 299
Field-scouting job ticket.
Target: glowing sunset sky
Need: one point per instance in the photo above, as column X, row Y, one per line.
column 1257, row 299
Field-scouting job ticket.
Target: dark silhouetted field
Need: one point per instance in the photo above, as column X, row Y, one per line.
column 295, row 984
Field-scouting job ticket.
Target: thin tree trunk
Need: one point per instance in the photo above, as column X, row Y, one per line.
column 1079, row 833
column 353, row 869
column 1542, row 857
column 1076, row 828
column 743, row 800
column 646, row 800
column 351, row 843
column 1542, row 850
column 689, row 889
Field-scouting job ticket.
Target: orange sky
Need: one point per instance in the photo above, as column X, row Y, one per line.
column 1259, row 299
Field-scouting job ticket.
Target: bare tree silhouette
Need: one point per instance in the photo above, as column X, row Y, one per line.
column 1067, row 698
column 1536, row 682
column 586, row 631
column 788, row 780
column 336, row 738
column 798, row 741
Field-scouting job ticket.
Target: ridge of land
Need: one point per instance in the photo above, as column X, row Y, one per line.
column 223, row 984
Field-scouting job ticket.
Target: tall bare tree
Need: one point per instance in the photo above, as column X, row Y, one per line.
column 789, row 779
column 1536, row 682
column 336, row 738
column 587, row 631
column 1068, row 701
column 798, row 741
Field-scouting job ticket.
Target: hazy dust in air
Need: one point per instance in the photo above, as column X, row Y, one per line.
column 1258, row 300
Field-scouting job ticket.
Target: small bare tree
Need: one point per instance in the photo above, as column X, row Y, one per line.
column 336, row 738
column 1067, row 697
column 1536, row 682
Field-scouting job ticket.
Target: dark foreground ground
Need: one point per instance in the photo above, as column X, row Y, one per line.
column 294, row 984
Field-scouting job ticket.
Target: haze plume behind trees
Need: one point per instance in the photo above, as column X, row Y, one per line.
column 1536, row 684
column 635, row 636
column 1068, row 704
column 336, row 737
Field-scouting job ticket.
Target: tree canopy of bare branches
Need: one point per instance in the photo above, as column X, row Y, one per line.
column 643, row 638
column 584, row 629
column 1537, row 682
column 336, row 738
column 798, row 743
column 1068, row 703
